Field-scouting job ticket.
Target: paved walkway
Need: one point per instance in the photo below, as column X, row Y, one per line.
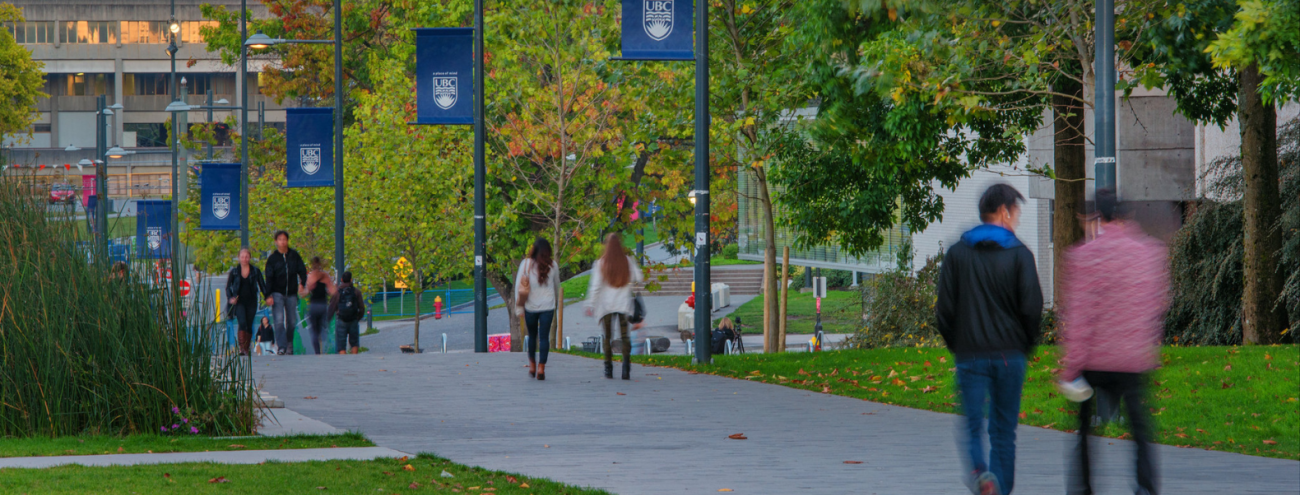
column 225, row 457
column 666, row 431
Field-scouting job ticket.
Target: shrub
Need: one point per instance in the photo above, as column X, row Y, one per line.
column 900, row 308
column 83, row 352
column 731, row 251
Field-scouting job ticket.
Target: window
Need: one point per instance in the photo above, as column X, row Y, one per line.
column 148, row 135
column 145, row 32
column 89, row 32
column 41, row 128
column 31, row 33
column 190, row 30
column 88, row 85
column 145, row 84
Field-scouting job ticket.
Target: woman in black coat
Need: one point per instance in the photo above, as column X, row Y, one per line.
column 243, row 285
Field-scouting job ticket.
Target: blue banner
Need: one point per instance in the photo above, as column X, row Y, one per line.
column 92, row 202
column 153, row 229
column 219, row 196
column 309, row 142
column 444, row 73
column 658, row 30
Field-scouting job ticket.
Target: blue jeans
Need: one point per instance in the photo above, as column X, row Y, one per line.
column 284, row 315
column 997, row 379
column 539, row 333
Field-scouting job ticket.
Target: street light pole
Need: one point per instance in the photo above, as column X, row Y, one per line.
column 480, row 177
column 101, row 175
column 243, row 124
column 1104, row 69
column 703, row 293
column 338, row 139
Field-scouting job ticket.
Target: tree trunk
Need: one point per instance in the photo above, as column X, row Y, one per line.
column 1262, row 318
column 1067, row 126
column 769, row 262
column 507, row 291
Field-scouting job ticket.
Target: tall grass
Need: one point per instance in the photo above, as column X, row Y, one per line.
column 83, row 352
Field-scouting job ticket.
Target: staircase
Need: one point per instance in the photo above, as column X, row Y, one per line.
column 743, row 280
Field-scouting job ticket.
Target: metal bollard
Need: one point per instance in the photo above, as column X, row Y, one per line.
column 567, row 345
column 444, row 343
column 647, row 346
column 690, row 344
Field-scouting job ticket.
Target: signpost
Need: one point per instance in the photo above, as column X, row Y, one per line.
column 185, row 288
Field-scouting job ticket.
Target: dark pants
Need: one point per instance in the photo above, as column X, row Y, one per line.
column 317, row 320
column 997, row 380
column 539, row 330
column 347, row 333
column 284, row 316
column 608, row 321
column 1131, row 388
column 244, row 315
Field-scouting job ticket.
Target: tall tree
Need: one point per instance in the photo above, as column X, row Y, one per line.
column 1219, row 58
column 21, row 81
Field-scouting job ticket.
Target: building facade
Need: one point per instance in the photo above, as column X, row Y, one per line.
column 118, row 49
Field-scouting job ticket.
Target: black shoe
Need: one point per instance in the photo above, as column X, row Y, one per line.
column 609, row 370
column 627, row 370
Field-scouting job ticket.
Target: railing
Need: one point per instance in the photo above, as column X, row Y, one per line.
column 401, row 304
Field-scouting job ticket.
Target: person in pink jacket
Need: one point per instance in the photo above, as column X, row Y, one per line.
column 1115, row 293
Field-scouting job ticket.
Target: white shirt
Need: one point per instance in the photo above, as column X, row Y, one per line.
column 603, row 299
column 541, row 297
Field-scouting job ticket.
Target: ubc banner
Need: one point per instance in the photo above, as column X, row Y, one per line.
column 444, row 71
column 309, row 141
column 658, row 30
column 153, row 229
column 219, row 196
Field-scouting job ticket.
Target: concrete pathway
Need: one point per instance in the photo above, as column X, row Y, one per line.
column 224, row 457
column 666, row 431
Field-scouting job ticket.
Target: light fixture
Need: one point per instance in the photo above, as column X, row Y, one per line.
column 108, row 112
column 691, row 196
column 85, row 162
column 171, row 49
column 177, row 106
column 259, row 41
column 223, row 101
column 174, row 27
column 72, row 147
column 116, row 106
column 183, row 81
column 116, row 152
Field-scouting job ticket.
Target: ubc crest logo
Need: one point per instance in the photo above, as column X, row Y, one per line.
column 221, row 205
column 657, row 18
column 310, row 158
column 445, row 91
column 154, row 236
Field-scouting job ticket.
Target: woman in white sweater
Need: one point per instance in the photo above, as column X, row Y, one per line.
column 537, row 275
column 609, row 298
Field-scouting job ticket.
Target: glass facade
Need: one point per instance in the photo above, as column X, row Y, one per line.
column 88, row 32
column 145, row 32
column 88, row 84
column 31, row 33
column 102, row 32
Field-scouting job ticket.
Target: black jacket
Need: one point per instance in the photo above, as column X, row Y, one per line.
column 285, row 272
column 234, row 282
column 989, row 300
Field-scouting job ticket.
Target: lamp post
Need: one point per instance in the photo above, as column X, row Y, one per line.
column 243, row 122
column 703, row 297
column 1104, row 67
column 101, row 174
column 480, row 206
column 259, row 41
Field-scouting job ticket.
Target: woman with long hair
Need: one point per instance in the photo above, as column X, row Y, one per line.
column 609, row 298
column 536, row 302
column 243, row 284
column 319, row 288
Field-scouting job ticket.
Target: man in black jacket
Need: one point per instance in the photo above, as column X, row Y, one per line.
column 285, row 273
column 989, row 308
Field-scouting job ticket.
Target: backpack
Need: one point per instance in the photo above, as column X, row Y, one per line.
column 718, row 342
column 349, row 310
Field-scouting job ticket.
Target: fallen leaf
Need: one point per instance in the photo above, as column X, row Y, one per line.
column 310, row 397
column 413, row 485
column 403, row 459
column 524, row 485
column 119, row 449
column 512, row 479
column 408, row 467
column 826, row 389
column 219, row 479
column 802, row 372
column 1024, row 415
column 1270, row 442
column 927, row 363
column 387, row 473
column 927, row 389
column 943, row 359
column 897, row 382
column 167, row 475
column 1198, row 430
column 724, row 489
column 737, row 436
column 545, row 446
column 236, row 446
column 620, row 393
column 320, row 488
column 853, row 462
column 1227, row 368
column 445, row 474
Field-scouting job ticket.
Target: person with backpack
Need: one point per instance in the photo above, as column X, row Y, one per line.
column 723, row 336
column 285, row 274
column 988, row 310
column 243, row 285
column 535, row 302
column 348, row 305
column 1115, row 290
column 609, row 299
column 320, row 288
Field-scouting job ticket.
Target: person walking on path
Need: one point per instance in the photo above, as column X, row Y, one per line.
column 989, row 309
column 609, row 299
column 285, row 273
column 319, row 289
column 243, row 285
column 265, row 338
column 1115, row 290
column 536, row 302
column 348, row 305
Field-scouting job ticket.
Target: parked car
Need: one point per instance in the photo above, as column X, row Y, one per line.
column 62, row 193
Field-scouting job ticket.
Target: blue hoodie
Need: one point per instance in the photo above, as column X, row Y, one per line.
column 989, row 232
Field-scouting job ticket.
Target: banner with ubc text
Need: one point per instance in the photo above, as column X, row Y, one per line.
column 444, row 72
column 309, row 144
column 153, row 229
column 219, row 196
column 658, row 30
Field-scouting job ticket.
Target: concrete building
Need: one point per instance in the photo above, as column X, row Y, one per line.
column 118, row 49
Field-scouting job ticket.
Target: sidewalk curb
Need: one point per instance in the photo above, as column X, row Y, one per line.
column 222, row 457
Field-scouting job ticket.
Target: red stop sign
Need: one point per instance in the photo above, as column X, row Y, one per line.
column 185, row 288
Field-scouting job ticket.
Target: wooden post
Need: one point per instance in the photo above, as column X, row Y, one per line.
column 767, row 305
column 558, row 335
column 785, row 296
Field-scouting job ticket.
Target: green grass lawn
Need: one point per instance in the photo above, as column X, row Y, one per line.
column 117, row 227
column 157, row 444
column 1236, row 399
column 629, row 237
column 841, row 313
column 404, row 304
column 420, row 474
column 576, row 287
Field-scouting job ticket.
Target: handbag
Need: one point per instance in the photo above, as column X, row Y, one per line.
column 521, row 292
column 638, row 309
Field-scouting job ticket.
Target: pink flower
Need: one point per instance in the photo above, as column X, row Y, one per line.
column 164, row 429
column 175, row 426
column 176, row 410
column 194, row 430
column 185, row 420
